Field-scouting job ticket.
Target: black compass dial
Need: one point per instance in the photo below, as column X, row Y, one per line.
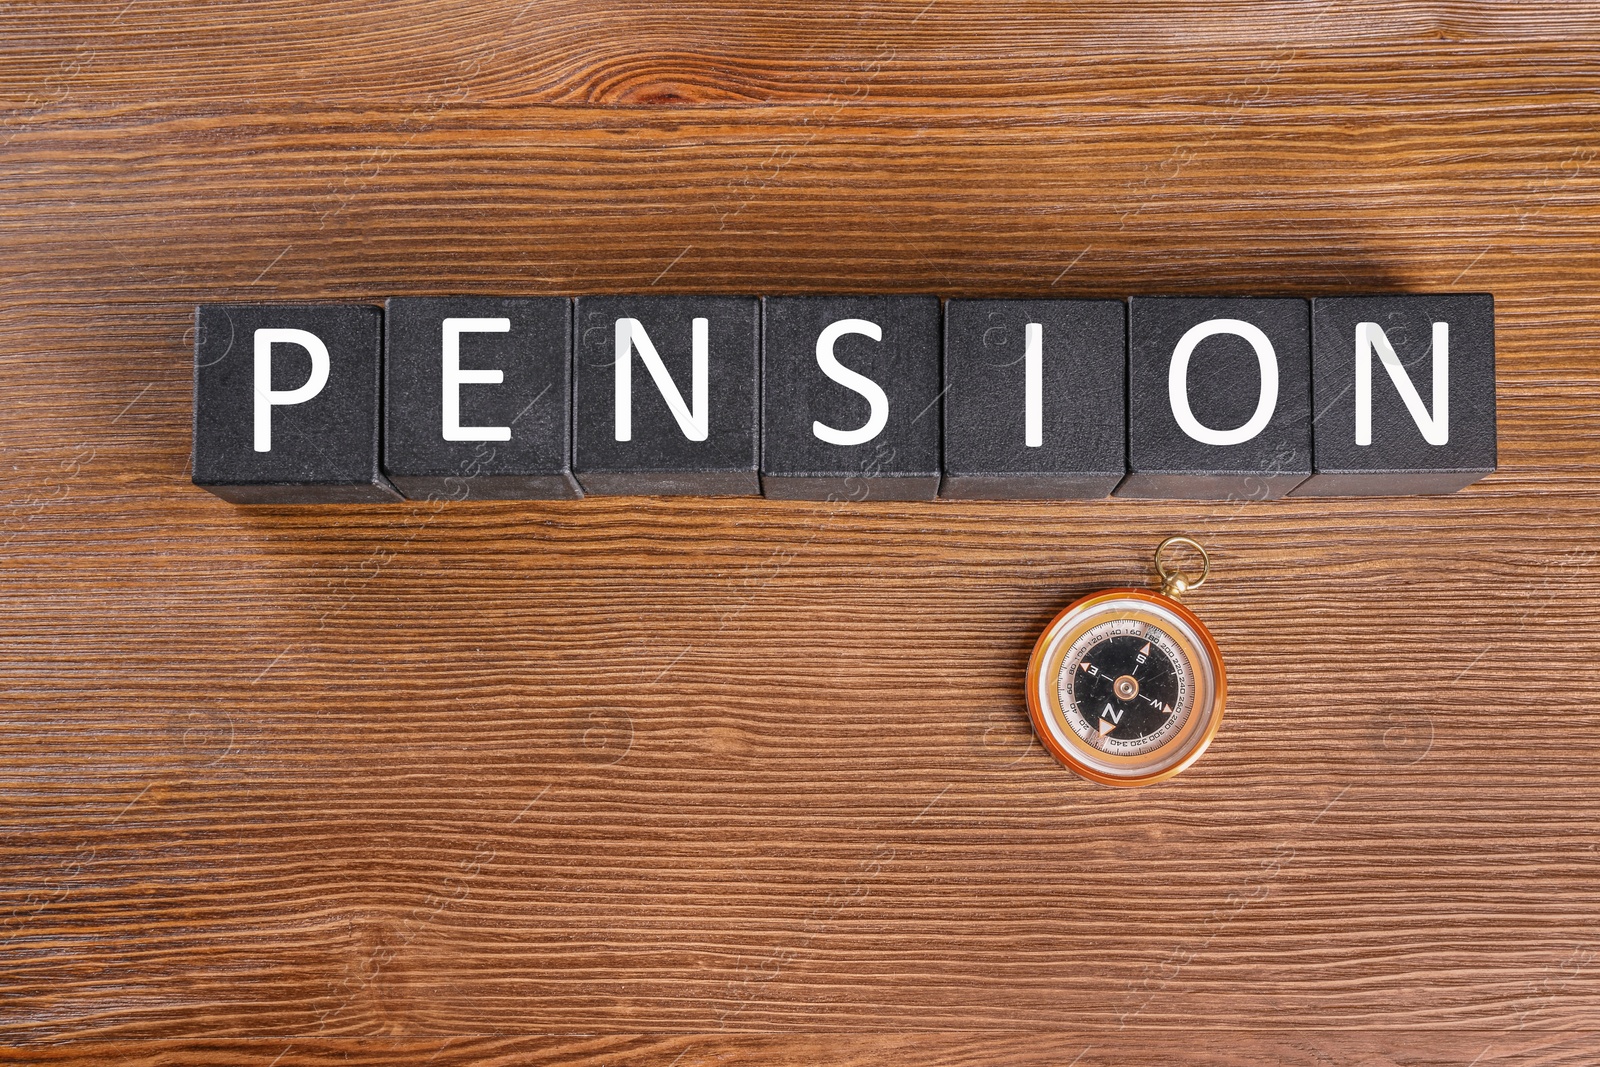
column 1127, row 685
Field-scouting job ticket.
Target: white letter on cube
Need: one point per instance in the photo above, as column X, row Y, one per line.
column 878, row 417
column 696, row 424
column 267, row 397
column 455, row 378
column 1178, row 382
column 1436, row 427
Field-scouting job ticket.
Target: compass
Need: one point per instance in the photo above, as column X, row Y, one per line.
column 1126, row 686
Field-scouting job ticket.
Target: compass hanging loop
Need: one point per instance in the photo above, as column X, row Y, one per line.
column 1174, row 583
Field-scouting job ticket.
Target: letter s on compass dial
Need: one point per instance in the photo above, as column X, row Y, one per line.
column 1126, row 687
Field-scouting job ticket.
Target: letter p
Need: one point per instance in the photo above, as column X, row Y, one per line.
column 267, row 397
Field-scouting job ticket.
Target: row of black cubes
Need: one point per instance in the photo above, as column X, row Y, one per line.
column 954, row 377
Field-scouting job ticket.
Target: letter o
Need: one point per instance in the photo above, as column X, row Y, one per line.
column 1178, row 382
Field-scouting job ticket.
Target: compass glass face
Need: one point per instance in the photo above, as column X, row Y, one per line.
column 1126, row 687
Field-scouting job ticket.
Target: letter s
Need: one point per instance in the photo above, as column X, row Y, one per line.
column 860, row 383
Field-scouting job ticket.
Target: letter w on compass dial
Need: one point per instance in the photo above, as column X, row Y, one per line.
column 1126, row 687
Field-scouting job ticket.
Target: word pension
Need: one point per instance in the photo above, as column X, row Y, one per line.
column 844, row 397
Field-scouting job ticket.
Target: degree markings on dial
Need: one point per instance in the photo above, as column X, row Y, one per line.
column 1162, row 661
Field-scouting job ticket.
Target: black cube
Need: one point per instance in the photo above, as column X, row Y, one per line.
column 477, row 399
column 665, row 395
column 1404, row 392
column 850, row 397
column 1219, row 397
column 286, row 403
column 1034, row 399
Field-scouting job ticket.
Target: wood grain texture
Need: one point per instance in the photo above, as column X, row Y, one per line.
column 691, row 782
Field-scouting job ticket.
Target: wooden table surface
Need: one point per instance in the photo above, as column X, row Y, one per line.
column 690, row 782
